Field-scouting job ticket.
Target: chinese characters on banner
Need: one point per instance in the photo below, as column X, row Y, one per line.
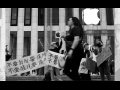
column 30, row 63
column 26, row 64
column 54, row 59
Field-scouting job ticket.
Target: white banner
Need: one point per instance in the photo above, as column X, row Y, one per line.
column 30, row 63
column 54, row 59
column 26, row 64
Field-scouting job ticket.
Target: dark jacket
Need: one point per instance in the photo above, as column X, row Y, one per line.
column 8, row 57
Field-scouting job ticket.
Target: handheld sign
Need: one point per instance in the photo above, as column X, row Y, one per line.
column 82, row 68
column 106, row 53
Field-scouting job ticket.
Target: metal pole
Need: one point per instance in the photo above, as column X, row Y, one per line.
column 45, row 36
column 52, row 74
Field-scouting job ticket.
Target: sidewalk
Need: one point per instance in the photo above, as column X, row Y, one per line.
column 40, row 78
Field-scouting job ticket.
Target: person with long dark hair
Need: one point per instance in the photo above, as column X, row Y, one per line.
column 74, row 47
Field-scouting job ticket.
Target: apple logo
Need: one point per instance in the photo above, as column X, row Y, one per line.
column 90, row 16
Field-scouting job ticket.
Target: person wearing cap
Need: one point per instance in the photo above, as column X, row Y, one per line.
column 55, row 47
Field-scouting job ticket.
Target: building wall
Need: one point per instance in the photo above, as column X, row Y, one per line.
column 91, row 30
column 2, row 44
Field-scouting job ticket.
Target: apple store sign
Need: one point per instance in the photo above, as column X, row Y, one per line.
column 90, row 16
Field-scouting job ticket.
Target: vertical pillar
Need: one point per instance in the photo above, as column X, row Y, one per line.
column 2, row 46
column 104, row 37
column 8, row 14
column 90, row 39
column 103, row 18
column 62, row 19
column 76, row 12
column 45, row 35
column 117, row 44
column 20, row 33
column 62, row 25
column 34, row 33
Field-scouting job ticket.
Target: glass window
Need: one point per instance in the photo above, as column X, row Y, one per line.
column 41, row 16
column 55, row 16
column 27, row 43
column 14, row 16
column 13, row 44
column 109, row 16
column 27, row 20
column 68, row 14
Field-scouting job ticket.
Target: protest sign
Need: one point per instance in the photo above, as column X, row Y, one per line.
column 26, row 64
column 103, row 56
column 82, row 68
column 91, row 64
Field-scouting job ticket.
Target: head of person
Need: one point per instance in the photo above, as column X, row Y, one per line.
column 97, row 41
column 86, row 46
column 74, row 21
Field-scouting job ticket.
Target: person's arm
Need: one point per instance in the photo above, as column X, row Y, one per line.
column 76, row 34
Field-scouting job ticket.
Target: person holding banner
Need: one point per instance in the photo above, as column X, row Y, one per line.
column 104, row 67
column 55, row 47
column 84, row 72
column 74, row 49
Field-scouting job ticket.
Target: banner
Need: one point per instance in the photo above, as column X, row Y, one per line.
column 30, row 63
column 26, row 64
column 54, row 59
column 82, row 68
column 106, row 53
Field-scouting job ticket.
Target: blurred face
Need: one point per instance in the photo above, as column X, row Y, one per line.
column 70, row 22
column 97, row 41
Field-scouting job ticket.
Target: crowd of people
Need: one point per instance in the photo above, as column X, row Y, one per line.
column 76, row 49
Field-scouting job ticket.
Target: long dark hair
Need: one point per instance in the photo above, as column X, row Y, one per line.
column 78, row 23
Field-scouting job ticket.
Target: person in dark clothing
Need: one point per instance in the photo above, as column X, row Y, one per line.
column 86, row 77
column 74, row 49
column 104, row 67
column 8, row 56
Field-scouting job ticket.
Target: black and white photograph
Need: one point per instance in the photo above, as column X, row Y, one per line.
column 61, row 44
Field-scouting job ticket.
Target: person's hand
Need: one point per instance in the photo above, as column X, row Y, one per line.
column 70, row 54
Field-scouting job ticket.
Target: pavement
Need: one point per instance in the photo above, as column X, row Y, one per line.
column 40, row 78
